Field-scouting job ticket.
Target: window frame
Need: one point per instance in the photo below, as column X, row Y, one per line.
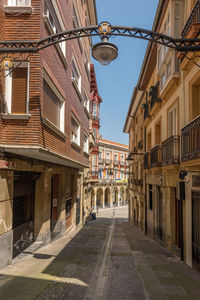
column 77, row 143
column 76, row 81
column 8, row 87
column 87, row 143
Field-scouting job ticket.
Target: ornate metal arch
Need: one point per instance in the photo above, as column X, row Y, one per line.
column 180, row 45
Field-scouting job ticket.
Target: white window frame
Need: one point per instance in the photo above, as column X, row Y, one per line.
column 86, row 101
column 77, row 23
column 85, row 143
column 19, row 3
column 54, row 29
column 77, row 139
column 173, row 121
column 76, row 74
column 8, row 86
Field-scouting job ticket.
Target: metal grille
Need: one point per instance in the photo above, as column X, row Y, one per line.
column 22, row 210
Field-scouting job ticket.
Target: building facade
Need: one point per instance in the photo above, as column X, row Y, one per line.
column 110, row 187
column 44, row 124
column 166, row 98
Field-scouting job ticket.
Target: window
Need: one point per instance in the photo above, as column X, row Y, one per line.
column 75, row 131
column 100, row 154
column 17, row 89
column 122, row 158
column 53, row 28
column 115, row 157
column 107, row 155
column 162, row 81
column 19, row 2
column 94, row 110
column 76, row 77
column 172, row 121
column 87, row 65
column 85, row 143
column 150, row 197
column 115, row 174
column 122, row 174
column 77, row 24
column 86, row 101
column 53, row 107
column 169, row 68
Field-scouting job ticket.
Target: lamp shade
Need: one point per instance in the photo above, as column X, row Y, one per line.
column 104, row 52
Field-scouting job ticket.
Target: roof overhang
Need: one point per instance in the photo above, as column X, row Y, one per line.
column 42, row 154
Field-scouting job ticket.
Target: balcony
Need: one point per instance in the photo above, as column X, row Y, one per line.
column 94, row 174
column 192, row 26
column 116, row 162
column 146, row 160
column 190, row 140
column 108, row 161
column 95, row 118
column 122, row 163
column 156, row 156
column 145, row 106
column 170, row 150
column 140, row 145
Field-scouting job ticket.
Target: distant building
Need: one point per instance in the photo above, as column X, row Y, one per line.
column 111, row 186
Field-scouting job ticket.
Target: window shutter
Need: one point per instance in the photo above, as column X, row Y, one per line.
column 51, row 106
column 19, row 90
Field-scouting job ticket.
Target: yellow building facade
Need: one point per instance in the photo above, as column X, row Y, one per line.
column 163, row 123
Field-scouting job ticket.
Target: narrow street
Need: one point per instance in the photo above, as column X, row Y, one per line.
column 108, row 259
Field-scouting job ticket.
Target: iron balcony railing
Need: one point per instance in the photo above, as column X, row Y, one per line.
column 190, row 140
column 193, row 18
column 95, row 118
column 155, row 156
column 146, row 110
column 94, row 174
column 146, row 160
column 171, row 150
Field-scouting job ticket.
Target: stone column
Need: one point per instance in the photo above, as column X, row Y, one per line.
column 111, row 197
column 117, row 200
column 103, row 198
column 95, row 199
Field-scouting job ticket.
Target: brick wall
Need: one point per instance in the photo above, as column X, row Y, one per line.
column 33, row 131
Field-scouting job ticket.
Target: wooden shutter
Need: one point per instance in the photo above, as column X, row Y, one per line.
column 19, row 90
column 51, row 106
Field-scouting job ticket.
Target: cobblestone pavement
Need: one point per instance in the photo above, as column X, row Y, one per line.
column 108, row 259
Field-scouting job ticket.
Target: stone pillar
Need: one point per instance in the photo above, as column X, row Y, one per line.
column 117, row 200
column 6, row 215
column 95, row 199
column 103, row 198
column 111, row 197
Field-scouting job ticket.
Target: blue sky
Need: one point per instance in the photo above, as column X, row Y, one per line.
column 117, row 80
